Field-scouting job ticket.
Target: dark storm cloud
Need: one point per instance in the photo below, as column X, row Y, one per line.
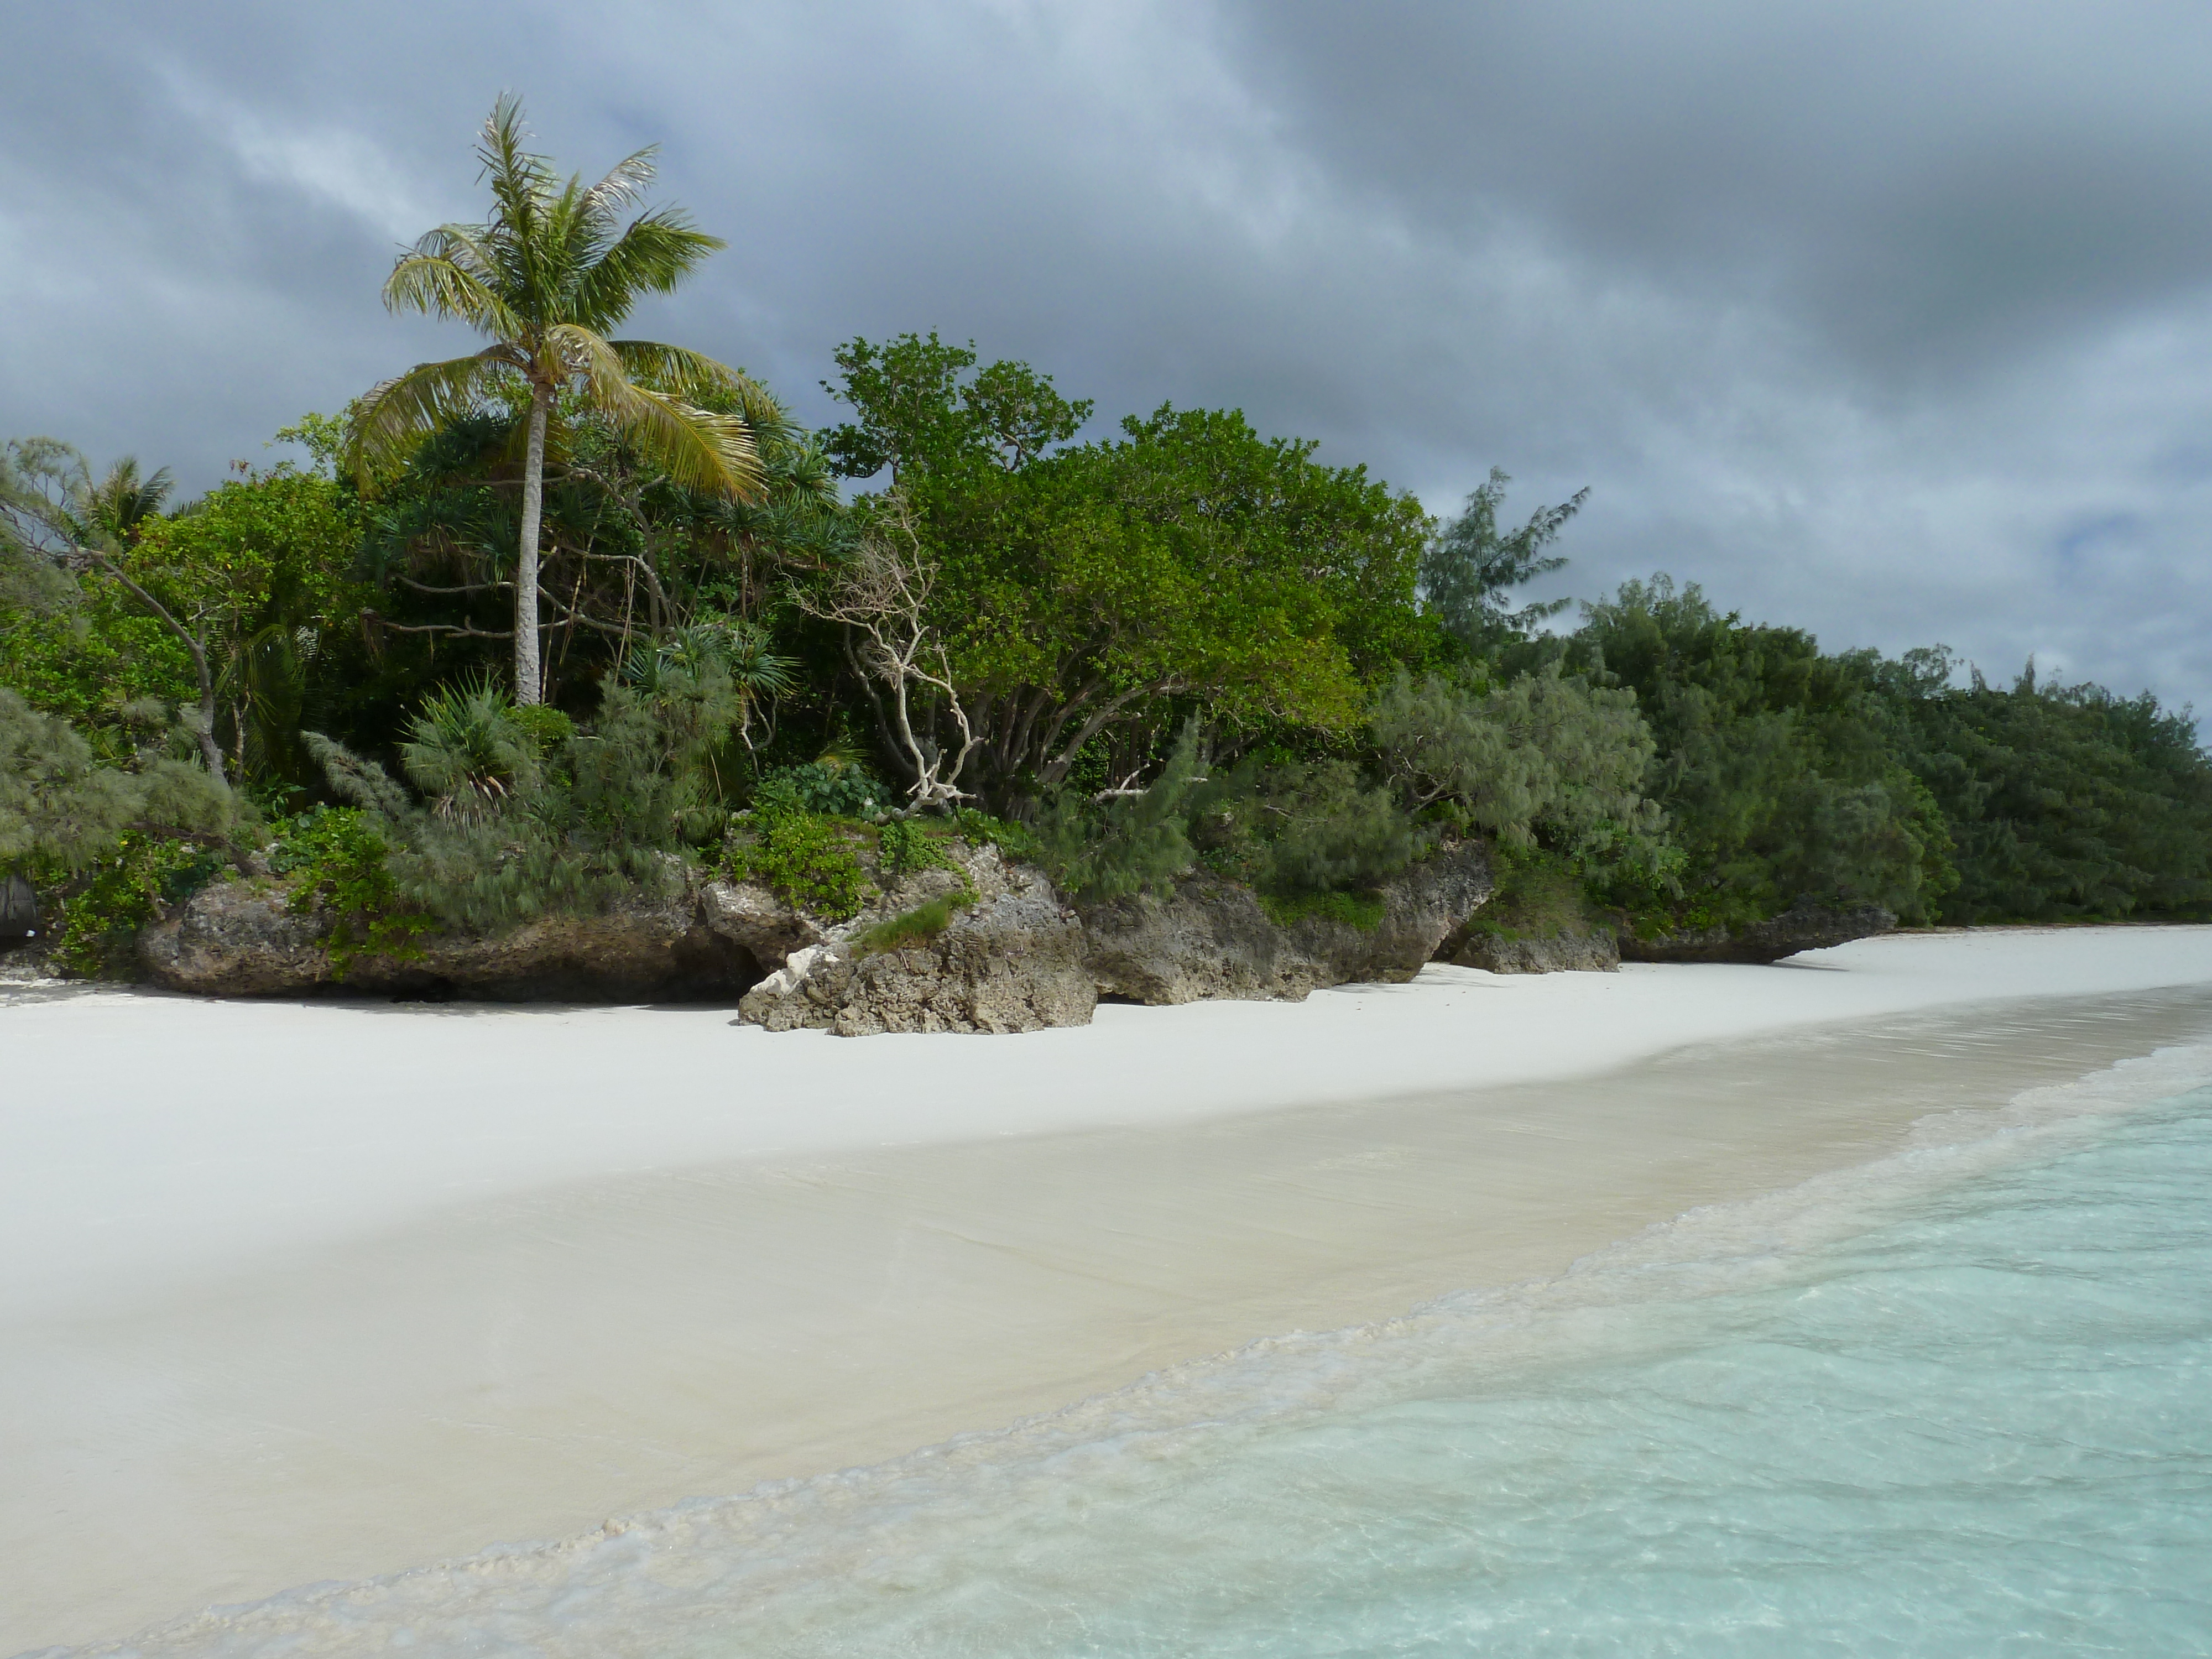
column 1893, row 321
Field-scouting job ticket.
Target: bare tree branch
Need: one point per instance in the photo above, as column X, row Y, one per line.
column 881, row 597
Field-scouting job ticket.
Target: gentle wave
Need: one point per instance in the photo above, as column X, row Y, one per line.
column 1955, row 1402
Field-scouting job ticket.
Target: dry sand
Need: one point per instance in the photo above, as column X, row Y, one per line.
column 307, row 1292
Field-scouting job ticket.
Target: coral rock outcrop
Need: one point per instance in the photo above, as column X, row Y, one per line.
column 1804, row 926
column 244, row 938
column 1010, row 959
column 1211, row 939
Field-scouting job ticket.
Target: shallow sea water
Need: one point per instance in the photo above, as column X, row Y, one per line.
column 1958, row 1402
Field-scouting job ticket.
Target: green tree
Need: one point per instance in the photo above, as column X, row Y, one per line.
column 54, row 517
column 258, row 575
column 917, row 406
column 1467, row 570
column 1780, row 768
column 546, row 277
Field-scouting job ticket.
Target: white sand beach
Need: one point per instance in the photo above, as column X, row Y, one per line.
column 304, row 1291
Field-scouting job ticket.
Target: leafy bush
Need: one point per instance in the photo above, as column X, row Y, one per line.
column 1100, row 851
column 340, row 862
column 829, row 787
column 1542, row 757
column 1015, row 840
column 61, row 811
column 1539, row 894
column 906, row 847
column 469, row 751
column 128, row 888
column 1332, row 831
column 809, row 859
column 529, row 813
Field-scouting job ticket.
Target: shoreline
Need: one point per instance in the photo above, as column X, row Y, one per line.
column 520, row 1361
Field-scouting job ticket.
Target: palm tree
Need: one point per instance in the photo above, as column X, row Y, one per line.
column 121, row 503
column 546, row 276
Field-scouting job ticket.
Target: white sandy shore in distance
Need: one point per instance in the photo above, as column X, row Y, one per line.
column 300, row 1292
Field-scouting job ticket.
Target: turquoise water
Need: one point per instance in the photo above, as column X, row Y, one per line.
column 1958, row 1403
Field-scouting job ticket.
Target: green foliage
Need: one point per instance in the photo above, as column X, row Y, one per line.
column 1333, row 830
column 1778, row 767
column 829, row 787
column 1109, row 589
column 63, row 810
column 2060, row 802
column 1102, row 851
column 467, row 750
column 1015, row 840
column 1363, row 911
column 129, row 886
column 918, row 408
column 1539, row 896
column 1543, row 755
column 906, row 847
column 810, row 860
column 916, row 926
column 1466, row 569
column 545, row 728
column 523, row 820
column 339, row 860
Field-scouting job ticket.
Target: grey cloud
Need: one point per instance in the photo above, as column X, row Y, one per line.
column 1892, row 322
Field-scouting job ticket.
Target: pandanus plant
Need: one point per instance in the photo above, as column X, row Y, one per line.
column 547, row 278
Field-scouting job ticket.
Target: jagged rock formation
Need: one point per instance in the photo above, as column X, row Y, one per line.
column 980, row 947
column 1585, row 953
column 1804, row 926
column 1010, row 958
column 1210, row 938
column 242, row 939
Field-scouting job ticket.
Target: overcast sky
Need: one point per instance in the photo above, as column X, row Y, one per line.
column 1893, row 321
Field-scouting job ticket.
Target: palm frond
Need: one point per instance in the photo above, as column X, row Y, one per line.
column 655, row 253
column 694, row 376
column 518, row 179
column 709, row 453
column 438, row 287
column 394, row 415
column 626, row 180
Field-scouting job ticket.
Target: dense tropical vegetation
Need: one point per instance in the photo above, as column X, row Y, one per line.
column 533, row 628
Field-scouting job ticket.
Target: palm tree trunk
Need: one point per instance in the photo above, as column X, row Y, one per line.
column 529, row 678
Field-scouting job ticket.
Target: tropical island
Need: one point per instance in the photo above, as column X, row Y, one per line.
column 576, row 667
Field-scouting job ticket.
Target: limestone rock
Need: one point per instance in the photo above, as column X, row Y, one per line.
column 1804, row 926
column 1210, row 938
column 1584, row 953
column 242, row 939
column 1009, row 961
column 751, row 916
column 238, row 938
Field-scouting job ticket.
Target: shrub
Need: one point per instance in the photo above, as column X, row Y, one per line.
column 807, row 857
column 829, row 787
column 1539, row 896
column 1015, row 840
column 340, row 862
column 1337, row 833
column 906, row 847
column 128, row 889
column 1542, row 757
column 915, row 926
column 1102, row 850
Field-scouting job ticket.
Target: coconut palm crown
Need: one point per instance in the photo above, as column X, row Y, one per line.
column 547, row 276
